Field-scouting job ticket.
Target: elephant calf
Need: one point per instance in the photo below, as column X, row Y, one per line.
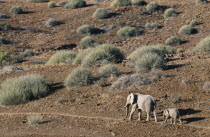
column 172, row 113
column 143, row 103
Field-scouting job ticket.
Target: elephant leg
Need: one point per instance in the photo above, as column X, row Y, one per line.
column 148, row 116
column 174, row 120
column 171, row 120
column 132, row 111
column 180, row 120
column 166, row 119
column 139, row 110
column 155, row 115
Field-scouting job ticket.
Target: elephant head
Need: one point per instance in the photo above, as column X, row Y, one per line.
column 131, row 99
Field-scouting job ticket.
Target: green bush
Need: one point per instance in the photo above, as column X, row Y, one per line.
column 34, row 120
column 173, row 41
column 73, row 4
column 186, row 30
column 3, row 58
column 149, row 61
column 16, row 10
column 62, row 57
column 22, row 89
column 201, row 1
column 152, row 25
column 194, row 22
column 51, row 22
column 27, row 53
column 87, row 42
column 138, row 2
column 120, row 3
column 51, row 4
column 101, row 13
column 78, row 77
column 171, row 12
column 3, row 40
column 4, row 26
column 127, row 32
column 203, row 45
column 180, row 50
column 102, row 54
column 154, row 49
column 37, row 1
column 108, row 70
column 86, row 29
column 152, row 7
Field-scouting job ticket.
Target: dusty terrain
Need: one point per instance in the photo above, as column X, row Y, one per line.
column 94, row 110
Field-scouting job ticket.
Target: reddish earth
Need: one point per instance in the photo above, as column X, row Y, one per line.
column 94, row 110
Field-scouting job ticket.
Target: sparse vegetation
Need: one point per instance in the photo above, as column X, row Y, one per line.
column 51, row 4
column 79, row 77
column 5, row 26
column 27, row 53
column 173, row 41
column 152, row 7
column 34, row 120
column 22, row 89
column 194, row 22
column 81, row 55
column 73, row 4
column 101, row 13
column 120, row 23
column 201, row 1
column 180, row 50
column 120, row 3
column 206, row 86
column 152, row 25
column 16, row 10
column 130, row 81
column 62, row 57
column 171, row 12
column 127, row 32
column 37, row 1
column 86, row 29
column 187, row 30
column 51, row 22
column 87, row 42
column 138, row 2
column 108, row 70
column 3, row 40
column 149, row 61
column 203, row 45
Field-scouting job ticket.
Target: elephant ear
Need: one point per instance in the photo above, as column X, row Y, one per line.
column 133, row 98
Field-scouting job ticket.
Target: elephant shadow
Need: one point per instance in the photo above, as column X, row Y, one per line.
column 184, row 112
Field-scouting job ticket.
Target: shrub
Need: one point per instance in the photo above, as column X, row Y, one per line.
column 120, row 23
column 173, row 41
column 180, row 50
column 51, row 22
column 149, row 61
column 152, row 26
column 37, row 1
column 120, row 3
column 81, row 55
column 4, row 26
column 73, row 4
column 34, row 120
column 186, row 30
column 3, row 40
column 194, row 22
column 127, row 32
column 87, row 42
column 51, row 4
column 171, row 12
column 16, row 10
column 138, row 2
column 156, row 49
column 27, row 53
column 3, row 58
column 78, row 77
column 101, row 13
column 203, row 45
column 206, row 86
column 22, row 89
column 61, row 57
column 201, row 1
column 108, row 70
column 130, row 81
column 152, row 7
column 86, row 29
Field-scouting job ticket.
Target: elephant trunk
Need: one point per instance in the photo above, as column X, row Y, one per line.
column 126, row 109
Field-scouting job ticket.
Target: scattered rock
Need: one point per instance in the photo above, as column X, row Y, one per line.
column 11, row 69
column 63, row 100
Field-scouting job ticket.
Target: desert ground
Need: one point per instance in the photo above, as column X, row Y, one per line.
column 92, row 110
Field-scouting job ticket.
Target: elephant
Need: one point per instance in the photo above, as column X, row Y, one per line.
column 172, row 113
column 143, row 103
